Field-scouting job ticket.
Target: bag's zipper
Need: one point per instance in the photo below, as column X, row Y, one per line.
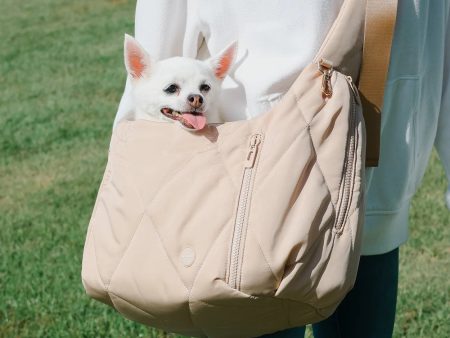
column 349, row 165
column 240, row 223
column 326, row 68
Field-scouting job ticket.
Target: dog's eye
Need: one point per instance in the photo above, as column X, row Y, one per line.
column 204, row 88
column 171, row 89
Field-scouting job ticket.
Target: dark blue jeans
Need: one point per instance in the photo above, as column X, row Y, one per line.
column 368, row 310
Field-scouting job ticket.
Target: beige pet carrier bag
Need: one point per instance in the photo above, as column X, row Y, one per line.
column 247, row 227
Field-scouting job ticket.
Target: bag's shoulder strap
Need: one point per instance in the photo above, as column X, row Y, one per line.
column 343, row 44
column 363, row 30
column 379, row 31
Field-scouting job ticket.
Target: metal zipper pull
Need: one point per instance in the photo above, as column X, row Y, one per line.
column 255, row 140
column 326, row 68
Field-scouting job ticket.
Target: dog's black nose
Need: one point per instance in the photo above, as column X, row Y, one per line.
column 195, row 101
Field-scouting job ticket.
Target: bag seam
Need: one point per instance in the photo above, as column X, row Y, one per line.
column 206, row 255
column 308, row 130
column 164, row 248
column 264, row 255
column 90, row 235
column 97, row 270
column 124, row 253
column 227, row 170
column 130, row 303
column 321, row 171
column 131, row 181
column 279, row 158
column 198, row 274
column 171, row 176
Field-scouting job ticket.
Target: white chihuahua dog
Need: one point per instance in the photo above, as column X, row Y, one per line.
column 179, row 89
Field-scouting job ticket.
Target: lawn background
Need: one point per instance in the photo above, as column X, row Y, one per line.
column 61, row 77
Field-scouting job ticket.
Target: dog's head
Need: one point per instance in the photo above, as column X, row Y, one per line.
column 177, row 89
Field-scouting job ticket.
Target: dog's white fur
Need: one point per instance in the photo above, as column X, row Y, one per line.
column 149, row 79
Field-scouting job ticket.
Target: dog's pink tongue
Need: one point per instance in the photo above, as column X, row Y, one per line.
column 197, row 121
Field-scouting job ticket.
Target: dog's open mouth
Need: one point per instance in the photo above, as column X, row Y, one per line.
column 191, row 119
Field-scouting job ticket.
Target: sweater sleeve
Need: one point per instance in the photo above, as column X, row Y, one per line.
column 442, row 141
column 160, row 29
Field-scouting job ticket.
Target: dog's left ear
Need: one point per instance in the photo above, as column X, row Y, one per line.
column 222, row 62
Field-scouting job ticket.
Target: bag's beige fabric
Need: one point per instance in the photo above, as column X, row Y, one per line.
column 245, row 228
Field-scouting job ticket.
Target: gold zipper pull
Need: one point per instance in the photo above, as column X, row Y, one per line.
column 326, row 68
column 255, row 140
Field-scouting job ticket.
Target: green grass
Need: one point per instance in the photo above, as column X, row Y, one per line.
column 61, row 77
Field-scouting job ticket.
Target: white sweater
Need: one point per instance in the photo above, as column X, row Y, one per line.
column 278, row 38
column 271, row 52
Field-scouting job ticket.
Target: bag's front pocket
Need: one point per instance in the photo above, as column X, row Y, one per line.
column 242, row 211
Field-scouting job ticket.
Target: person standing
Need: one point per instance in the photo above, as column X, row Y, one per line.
column 276, row 41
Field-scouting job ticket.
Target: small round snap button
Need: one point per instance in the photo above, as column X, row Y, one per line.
column 187, row 257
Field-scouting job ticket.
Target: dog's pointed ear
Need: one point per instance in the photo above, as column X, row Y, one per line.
column 137, row 60
column 222, row 62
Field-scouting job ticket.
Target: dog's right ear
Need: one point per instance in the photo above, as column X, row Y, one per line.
column 137, row 60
